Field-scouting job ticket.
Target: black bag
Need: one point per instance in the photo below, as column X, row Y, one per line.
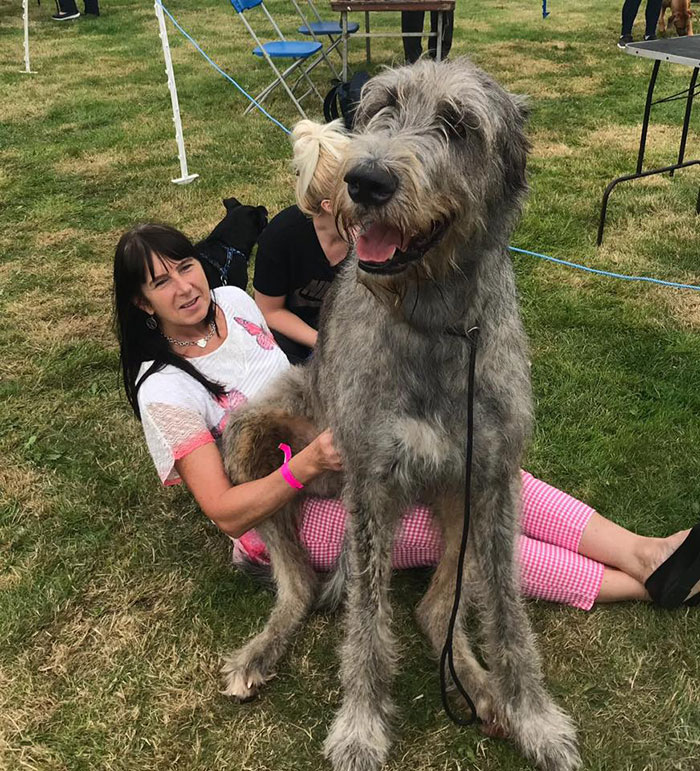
column 224, row 253
column 344, row 96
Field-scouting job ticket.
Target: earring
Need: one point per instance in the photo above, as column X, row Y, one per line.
column 151, row 322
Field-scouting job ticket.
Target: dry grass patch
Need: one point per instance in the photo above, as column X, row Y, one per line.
column 684, row 306
column 48, row 239
column 93, row 165
column 26, row 486
column 543, row 148
column 49, row 325
column 519, row 58
column 660, row 137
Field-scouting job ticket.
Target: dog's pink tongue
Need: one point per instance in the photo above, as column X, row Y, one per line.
column 378, row 243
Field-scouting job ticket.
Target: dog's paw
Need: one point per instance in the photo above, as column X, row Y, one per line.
column 548, row 738
column 358, row 741
column 240, row 682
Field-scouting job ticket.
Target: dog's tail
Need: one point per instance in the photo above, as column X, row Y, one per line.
column 258, row 571
column 332, row 592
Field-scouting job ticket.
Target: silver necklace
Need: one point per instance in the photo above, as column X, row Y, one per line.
column 202, row 342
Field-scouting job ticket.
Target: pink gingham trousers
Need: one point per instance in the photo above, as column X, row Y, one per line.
column 552, row 523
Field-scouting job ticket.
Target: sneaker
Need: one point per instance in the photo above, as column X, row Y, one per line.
column 624, row 41
column 649, row 37
column 65, row 16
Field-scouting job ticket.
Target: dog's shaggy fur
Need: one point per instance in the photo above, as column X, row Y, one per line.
column 435, row 182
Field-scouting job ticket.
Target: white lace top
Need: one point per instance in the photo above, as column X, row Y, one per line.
column 179, row 414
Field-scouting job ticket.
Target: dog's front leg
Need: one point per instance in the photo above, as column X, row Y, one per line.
column 543, row 731
column 245, row 671
column 359, row 737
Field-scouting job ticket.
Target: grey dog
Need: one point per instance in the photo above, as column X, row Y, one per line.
column 430, row 191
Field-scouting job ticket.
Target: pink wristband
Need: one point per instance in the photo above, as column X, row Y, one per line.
column 284, row 469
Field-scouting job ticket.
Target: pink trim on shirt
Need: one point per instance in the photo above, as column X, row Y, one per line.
column 192, row 444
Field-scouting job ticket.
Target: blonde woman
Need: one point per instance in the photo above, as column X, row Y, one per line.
column 300, row 250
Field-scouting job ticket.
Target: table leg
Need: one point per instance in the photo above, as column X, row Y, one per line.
column 438, row 47
column 647, row 112
column 344, row 25
column 368, row 52
column 686, row 120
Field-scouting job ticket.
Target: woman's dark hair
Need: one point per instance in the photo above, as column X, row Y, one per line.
column 136, row 251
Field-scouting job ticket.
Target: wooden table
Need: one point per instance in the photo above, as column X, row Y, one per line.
column 349, row 6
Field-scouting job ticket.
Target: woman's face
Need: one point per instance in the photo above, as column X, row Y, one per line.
column 177, row 293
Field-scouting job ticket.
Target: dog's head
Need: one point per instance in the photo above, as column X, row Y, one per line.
column 439, row 155
column 682, row 19
column 240, row 227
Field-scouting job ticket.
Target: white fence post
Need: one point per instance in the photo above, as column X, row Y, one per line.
column 184, row 177
column 25, row 9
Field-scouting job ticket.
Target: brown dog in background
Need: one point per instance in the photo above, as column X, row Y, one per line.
column 681, row 16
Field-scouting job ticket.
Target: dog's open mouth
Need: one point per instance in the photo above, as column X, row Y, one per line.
column 381, row 248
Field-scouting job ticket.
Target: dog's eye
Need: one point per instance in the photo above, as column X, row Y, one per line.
column 391, row 97
column 452, row 120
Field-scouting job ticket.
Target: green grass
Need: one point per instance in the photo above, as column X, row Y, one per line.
column 117, row 597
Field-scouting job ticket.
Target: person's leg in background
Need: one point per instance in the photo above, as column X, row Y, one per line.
column 412, row 21
column 448, row 23
column 629, row 14
column 66, row 10
column 651, row 18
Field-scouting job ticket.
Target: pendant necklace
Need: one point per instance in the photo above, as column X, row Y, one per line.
column 202, row 342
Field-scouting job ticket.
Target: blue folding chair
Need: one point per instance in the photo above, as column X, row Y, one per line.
column 320, row 28
column 305, row 54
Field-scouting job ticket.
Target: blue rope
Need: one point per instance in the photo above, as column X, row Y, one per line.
column 606, row 272
column 219, row 70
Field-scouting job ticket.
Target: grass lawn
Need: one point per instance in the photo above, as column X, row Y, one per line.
column 117, row 597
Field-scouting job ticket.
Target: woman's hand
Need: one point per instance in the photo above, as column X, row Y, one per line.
column 325, row 454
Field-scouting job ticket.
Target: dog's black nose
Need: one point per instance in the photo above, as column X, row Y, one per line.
column 370, row 184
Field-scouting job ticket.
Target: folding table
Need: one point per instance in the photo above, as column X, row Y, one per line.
column 681, row 50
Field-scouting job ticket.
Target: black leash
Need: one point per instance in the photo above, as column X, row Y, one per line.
column 447, row 651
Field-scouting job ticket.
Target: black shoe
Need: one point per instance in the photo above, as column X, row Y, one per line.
column 670, row 584
column 649, row 37
column 65, row 16
column 624, row 41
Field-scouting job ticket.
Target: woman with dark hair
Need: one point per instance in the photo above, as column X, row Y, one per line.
column 190, row 355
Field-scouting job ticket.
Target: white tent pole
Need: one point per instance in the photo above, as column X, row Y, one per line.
column 184, row 177
column 25, row 8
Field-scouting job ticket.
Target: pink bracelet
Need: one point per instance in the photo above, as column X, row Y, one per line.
column 284, row 469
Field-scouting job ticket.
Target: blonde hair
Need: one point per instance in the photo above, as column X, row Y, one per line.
column 318, row 150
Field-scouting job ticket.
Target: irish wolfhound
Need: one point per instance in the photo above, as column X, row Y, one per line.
column 433, row 186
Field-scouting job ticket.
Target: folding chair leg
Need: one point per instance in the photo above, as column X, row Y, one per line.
column 281, row 81
column 333, row 70
column 312, row 86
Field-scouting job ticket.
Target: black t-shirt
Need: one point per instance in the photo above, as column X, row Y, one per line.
column 291, row 262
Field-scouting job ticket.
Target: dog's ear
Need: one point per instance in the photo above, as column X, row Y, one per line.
column 516, row 145
column 231, row 203
column 261, row 215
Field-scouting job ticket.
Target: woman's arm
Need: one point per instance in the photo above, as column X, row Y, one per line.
column 235, row 509
column 282, row 320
